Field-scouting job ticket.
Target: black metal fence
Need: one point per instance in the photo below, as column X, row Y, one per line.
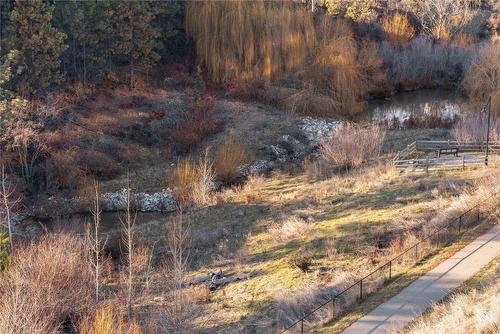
column 357, row 291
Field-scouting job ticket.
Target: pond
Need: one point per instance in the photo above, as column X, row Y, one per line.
column 410, row 108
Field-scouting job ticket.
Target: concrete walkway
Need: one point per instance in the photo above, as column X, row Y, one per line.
column 398, row 311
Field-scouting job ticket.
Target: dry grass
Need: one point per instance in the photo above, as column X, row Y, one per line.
column 230, row 155
column 48, row 282
column 108, row 320
column 192, row 181
column 470, row 312
column 290, row 228
column 350, row 145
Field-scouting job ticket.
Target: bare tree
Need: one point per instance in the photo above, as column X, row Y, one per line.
column 181, row 309
column 9, row 200
column 128, row 223
column 96, row 246
column 442, row 19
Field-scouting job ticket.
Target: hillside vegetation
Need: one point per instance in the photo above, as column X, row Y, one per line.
column 211, row 166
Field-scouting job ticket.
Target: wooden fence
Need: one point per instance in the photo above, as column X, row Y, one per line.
column 407, row 160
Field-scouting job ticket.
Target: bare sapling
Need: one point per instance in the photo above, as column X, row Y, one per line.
column 180, row 311
column 128, row 223
column 94, row 243
column 9, row 200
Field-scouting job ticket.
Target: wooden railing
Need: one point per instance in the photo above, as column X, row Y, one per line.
column 404, row 161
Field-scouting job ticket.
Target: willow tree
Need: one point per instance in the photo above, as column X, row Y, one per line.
column 249, row 38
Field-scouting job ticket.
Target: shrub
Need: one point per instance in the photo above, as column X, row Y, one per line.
column 473, row 128
column 398, row 29
column 307, row 103
column 350, row 145
column 302, row 260
column 424, row 62
column 245, row 89
column 48, row 282
column 229, row 157
column 482, row 78
column 196, row 125
column 192, row 181
column 290, row 228
column 4, row 250
column 98, row 163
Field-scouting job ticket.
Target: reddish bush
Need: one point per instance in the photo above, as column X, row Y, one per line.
column 99, row 164
column 154, row 116
column 196, row 125
column 179, row 73
column 244, row 89
column 61, row 170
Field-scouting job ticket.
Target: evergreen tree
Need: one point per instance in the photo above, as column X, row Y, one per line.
column 38, row 45
column 90, row 34
column 136, row 36
column 5, row 9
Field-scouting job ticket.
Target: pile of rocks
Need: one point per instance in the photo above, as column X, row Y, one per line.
column 163, row 201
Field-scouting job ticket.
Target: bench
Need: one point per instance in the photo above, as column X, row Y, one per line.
column 448, row 151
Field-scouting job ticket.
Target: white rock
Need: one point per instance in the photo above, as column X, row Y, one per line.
column 316, row 129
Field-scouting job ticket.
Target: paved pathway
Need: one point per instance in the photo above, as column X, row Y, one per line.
column 395, row 313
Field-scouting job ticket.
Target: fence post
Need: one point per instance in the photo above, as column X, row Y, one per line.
column 361, row 290
column 390, row 270
column 460, row 224
column 478, row 215
column 416, row 252
column 302, row 326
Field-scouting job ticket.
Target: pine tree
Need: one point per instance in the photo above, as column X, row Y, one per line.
column 89, row 29
column 39, row 46
column 136, row 36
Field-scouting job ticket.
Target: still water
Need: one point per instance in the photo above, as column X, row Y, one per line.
column 446, row 104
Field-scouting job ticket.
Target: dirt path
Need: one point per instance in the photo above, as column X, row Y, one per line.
column 398, row 311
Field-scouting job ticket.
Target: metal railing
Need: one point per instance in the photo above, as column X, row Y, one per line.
column 387, row 271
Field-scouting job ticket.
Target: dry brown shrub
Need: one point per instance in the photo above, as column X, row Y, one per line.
column 473, row 128
column 276, row 96
column 98, row 163
column 108, row 320
column 482, row 78
column 350, row 145
column 398, row 29
column 192, row 181
column 244, row 89
column 230, row 155
column 199, row 294
column 307, row 103
column 48, row 282
column 290, row 228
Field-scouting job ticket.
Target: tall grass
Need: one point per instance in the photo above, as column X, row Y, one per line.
column 230, row 155
column 350, row 145
column 108, row 320
column 457, row 317
column 192, row 181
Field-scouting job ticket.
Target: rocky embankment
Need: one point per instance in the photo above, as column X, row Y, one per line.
column 287, row 149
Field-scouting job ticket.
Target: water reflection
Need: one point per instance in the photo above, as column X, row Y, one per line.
column 440, row 106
